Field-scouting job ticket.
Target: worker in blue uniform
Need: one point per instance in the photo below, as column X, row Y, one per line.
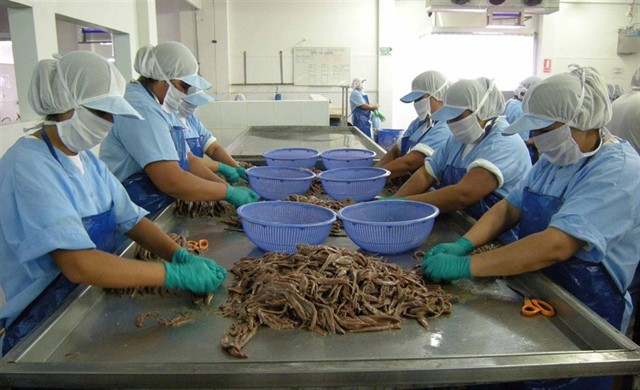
column 477, row 166
column 200, row 139
column 151, row 157
column 513, row 111
column 578, row 208
column 361, row 108
column 62, row 209
column 423, row 136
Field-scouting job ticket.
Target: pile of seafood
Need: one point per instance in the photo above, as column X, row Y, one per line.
column 203, row 209
column 326, row 290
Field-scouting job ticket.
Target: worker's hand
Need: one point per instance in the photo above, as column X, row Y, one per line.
column 238, row 196
column 446, row 266
column 462, row 247
column 242, row 173
column 193, row 273
column 228, row 172
column 375, row 107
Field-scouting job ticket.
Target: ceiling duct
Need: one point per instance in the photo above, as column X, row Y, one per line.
column 527, row 7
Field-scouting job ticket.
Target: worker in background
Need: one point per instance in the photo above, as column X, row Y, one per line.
column 423, row 136
column 614, row 91
column 578, row 208
column 199, row 139
column 625, row 117
column 360, row 107
column 477, row 167
column 513, row 111
column 62, row 208
column 151, row 157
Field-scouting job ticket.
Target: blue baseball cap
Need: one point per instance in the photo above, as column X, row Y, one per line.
column 447, row 113
column 198, row 98
column 528, row 122
column 113, row 104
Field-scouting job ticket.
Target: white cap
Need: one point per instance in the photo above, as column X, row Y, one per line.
column 357, row 83
column 525, row 85
column 169, row 61
column 635, row 80
column 578, row 98
column 432, row 82
column 480, row 95
column 80, row 78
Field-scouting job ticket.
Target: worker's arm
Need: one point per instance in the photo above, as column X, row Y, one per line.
column 200, row 168
column 534, row 252
column 419, row 182
column 474, row 186
column 148, row 235
column 91, row 266
column 370, row 107
column 180, row 184
column 405, row 164
column 500, row 218
column 218, row 153
column 389, row 156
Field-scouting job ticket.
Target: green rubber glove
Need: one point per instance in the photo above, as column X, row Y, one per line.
column 379, row 115
column 391, row 198
column 446, row 266
column 193, row 273
column 238, row 196
column 461, row 247
column 242, row 173
column 228, row 172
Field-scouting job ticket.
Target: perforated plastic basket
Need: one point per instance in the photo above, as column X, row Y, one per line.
column 273, row 183
column 342, row 158
column 292, row 157
column 388, row 227
column 359, row 184
column 279, row 226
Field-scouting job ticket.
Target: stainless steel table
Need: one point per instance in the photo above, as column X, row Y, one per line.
column 92, row 340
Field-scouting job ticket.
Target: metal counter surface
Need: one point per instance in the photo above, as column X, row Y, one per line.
column 93, row 341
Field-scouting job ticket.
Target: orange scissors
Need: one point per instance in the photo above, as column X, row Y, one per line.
column 200, row 245
column 533, row 306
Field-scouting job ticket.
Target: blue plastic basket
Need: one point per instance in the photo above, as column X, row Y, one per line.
column 279, row 226
column 388, row 227
column 387, row 138
column 342, row 158
column 273, row 183
column 292, row 157
column 359, row 184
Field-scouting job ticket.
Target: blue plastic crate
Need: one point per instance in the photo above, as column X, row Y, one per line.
column 273, row 183
column 389, row 227
column 292, row 157
column 279, row 226
column 343, row 158
column 359, row 184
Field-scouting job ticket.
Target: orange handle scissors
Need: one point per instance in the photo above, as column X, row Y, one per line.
column 200, row 245
column 533, row 306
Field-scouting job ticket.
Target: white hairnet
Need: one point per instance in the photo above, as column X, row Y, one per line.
column 614, row 91
column 525, row 84
column 357, row 83
column 432, row 82
column 78, row 78
column 169, row 61
column 478, row 95
column 578, row 98
column 635, row 80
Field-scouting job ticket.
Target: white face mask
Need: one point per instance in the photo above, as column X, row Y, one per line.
column 83, row 131
column 467, row 130
column 558, row 147
column 186, row 109
column 173, row 99
column 423, row 107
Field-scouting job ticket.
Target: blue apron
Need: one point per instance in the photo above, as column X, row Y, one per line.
column 453, row 175
column 407, row 143
column 140, row 187
column 101, row 228
column 589, row 282
column 362, row 118
column 196, row 145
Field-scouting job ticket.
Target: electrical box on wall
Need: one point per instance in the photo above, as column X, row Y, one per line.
column 530, row 7
column 628, row 41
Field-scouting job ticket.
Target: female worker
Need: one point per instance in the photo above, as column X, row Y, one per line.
column 62, row 208
column 199, row 139
column 360, row 107
column 577, row 208
column 477, row 167
column 151, row 157
column 423, row 136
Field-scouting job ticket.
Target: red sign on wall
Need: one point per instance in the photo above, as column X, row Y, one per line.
column 546, row 65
